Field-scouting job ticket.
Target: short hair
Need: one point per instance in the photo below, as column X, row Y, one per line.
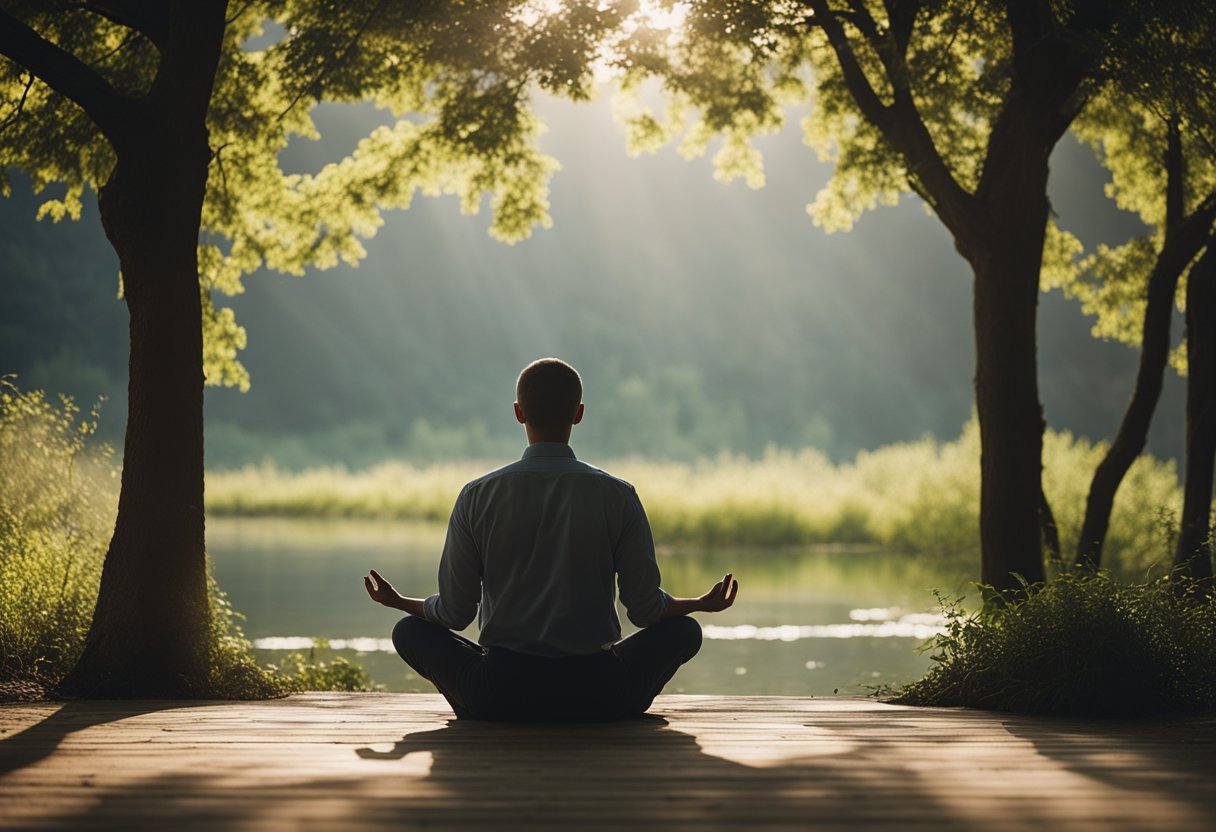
column 549, row 392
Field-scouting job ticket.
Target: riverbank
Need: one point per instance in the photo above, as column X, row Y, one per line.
column 377, row 761
column 918, row 497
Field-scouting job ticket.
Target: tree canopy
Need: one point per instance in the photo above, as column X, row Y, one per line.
column 163, row 111
column 455, row 77
column 961, row 104
column 1166, row 84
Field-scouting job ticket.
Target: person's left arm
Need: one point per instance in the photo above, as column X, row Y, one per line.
column 720, row 597
column 382, row 592
column 455, row 605
column 455, row 614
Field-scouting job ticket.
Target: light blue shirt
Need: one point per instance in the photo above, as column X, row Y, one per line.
column 537, row 544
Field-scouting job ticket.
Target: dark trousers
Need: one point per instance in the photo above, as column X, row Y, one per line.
column 494, row 683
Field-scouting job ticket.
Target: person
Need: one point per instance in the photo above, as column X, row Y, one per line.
column 532, row 549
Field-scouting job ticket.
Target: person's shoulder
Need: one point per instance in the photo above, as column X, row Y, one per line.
column 490, row 476
column 608, row 480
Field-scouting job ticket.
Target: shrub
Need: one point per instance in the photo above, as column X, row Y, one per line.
column 58, row 497
column 302, row 672
column 1083, row 645
column 57, row 502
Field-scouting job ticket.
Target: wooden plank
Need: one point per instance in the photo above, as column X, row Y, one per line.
column 396, row 761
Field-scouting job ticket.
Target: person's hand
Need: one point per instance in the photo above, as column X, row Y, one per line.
column 380, row 590
column 721, row 596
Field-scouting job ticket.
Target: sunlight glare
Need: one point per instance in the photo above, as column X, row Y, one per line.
column 535, row 11
column 655, row 14
column 658, row 16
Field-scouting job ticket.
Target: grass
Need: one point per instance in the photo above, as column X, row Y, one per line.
column 918, row 496
column 1082, row 645
column 58, row 498
column 56, row 509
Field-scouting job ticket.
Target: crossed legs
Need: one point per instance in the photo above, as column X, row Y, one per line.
column 457, row 667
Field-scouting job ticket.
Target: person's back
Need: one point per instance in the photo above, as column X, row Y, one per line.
column 536, row 546
column 546, row 535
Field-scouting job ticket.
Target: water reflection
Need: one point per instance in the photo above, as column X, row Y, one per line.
column 807, row 622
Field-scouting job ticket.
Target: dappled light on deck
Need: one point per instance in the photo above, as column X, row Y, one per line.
column 375, row 761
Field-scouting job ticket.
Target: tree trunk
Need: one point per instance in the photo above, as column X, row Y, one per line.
column 1183, row 238
column 1133, row 430
column 1006, row 258
column 1193, row 557
column 149, row 633
column 1007, row 404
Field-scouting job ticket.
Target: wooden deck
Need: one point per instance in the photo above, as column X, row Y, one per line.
column 393, row 761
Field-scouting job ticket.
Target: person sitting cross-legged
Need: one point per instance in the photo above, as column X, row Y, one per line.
column 536, row 546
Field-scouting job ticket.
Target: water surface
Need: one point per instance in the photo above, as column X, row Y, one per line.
column 807, row 622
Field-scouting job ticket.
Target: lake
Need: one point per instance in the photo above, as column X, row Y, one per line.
column 807, row 622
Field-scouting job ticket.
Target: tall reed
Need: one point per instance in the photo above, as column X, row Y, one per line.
column 920, row 496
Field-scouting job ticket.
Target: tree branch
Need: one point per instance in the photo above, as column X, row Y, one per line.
column 149, row 19
column 1051, row 59
column 1189, row 234
column 62, row 72
column 19, row 107
column 1175, row 176
column 902, row 17
column 864, row 21
column 902, row 126
column 867, row 99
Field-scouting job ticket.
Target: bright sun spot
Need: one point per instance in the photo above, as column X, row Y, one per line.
column 668, row 17
column 651, row 14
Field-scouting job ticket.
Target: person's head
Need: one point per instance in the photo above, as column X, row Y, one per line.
column 549, row 400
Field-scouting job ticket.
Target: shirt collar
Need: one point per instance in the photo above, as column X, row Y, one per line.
column 549, row 449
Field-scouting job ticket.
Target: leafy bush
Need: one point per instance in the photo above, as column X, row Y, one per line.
column 302, row 672
column 58, row 497
column 234, row 673
column 57, row 503
column 1083, row 645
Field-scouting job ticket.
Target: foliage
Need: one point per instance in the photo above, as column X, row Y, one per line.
column 1164, row 83
column 300, row 672
column 455, row 79
column 233, row 672
column 57, row 505
column 1080, row 645
column 740, row 65
column 737, row 68
column 916, row 496
column 58, row 496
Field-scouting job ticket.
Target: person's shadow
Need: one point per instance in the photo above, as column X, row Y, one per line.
column 642, row 773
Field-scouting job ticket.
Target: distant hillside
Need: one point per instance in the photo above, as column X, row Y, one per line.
column 703, row 317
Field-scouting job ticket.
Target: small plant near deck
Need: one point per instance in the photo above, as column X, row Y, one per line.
column 58, row 497
column 1082, row 645
column 300, row 672
column 234, row 673
column 56, row 510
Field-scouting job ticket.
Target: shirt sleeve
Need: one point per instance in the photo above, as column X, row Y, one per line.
column 637, row 570
column 455, row 605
